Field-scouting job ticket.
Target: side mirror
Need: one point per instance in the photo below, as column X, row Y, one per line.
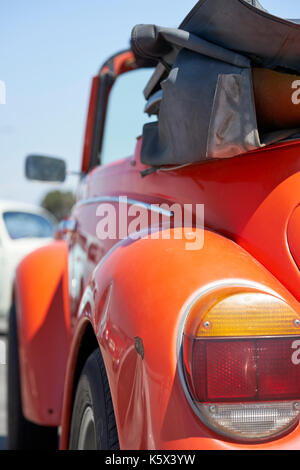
column 41, row 168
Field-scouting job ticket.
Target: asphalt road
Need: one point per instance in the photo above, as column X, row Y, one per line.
column 2, row 403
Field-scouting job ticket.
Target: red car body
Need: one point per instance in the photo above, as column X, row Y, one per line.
column 131, row 296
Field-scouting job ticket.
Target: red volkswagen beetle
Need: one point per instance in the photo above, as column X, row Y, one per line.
column 168, row 315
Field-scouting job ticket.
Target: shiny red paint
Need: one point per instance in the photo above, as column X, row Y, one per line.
column 43, row 331
column 150, row 406
column 123, row 63
column 139, row 289
column 248, row 199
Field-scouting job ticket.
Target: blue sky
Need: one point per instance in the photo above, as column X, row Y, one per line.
column 49, row 52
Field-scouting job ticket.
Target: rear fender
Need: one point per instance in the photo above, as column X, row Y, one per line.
column 137, row 301
column 41, row 294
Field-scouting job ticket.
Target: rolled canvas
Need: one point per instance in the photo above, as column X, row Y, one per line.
column 208, row 106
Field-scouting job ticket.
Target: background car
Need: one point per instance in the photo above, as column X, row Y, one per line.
column 23, row 228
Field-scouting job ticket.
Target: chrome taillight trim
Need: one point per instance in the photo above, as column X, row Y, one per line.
column 223, row 284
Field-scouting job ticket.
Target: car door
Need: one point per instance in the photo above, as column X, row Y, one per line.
column 103, row 158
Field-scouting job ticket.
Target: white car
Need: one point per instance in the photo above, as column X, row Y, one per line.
column 23, row 228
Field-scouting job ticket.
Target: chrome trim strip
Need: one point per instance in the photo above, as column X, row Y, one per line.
column 125, row 200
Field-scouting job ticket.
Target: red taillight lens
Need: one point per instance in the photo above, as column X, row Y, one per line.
column 230, row 370
column 240, row 370
column 278, row 375
column 241, row 358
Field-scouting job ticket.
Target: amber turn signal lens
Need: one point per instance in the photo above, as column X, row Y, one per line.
column 249, row 315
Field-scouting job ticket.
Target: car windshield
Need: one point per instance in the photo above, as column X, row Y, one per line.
column 27, row 225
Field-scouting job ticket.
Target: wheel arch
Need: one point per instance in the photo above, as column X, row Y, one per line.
column 133, row 345
column 84, row 344
column 43, row 325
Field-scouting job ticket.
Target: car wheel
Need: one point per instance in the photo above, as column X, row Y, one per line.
column 93, row 425
column 22, row 434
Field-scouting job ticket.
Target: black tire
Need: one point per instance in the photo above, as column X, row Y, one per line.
column 22, row 434
column 93, row 396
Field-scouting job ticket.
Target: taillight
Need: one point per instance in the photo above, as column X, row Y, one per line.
column 241, row 358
